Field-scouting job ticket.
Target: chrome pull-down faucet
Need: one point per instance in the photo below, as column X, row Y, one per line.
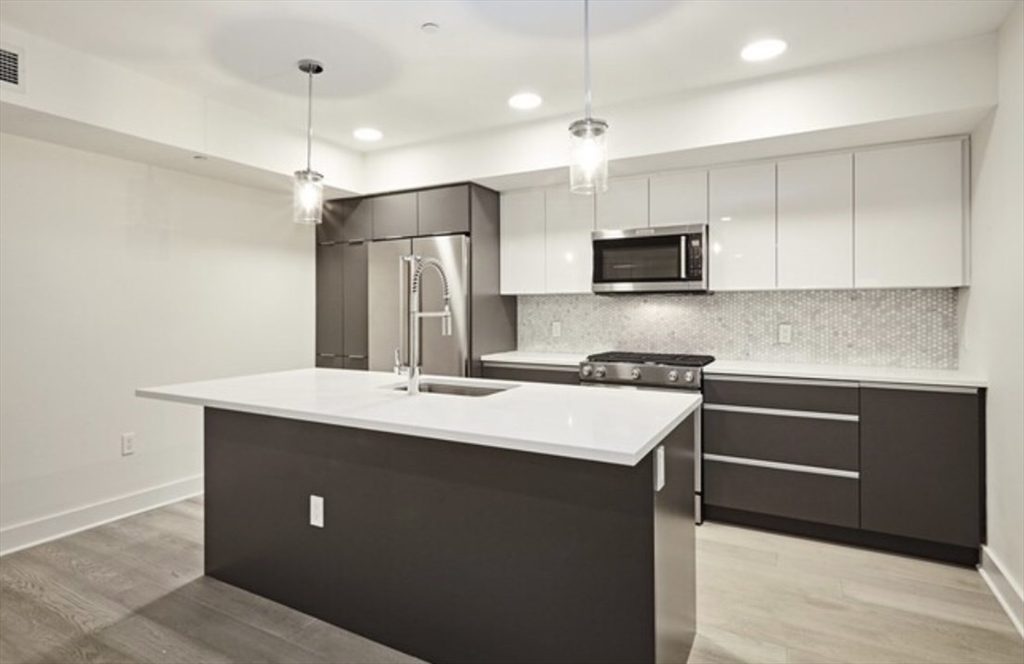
column 414, row 317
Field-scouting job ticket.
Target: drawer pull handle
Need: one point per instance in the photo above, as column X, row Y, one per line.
column 780, row 412
column 771, row 380
column 775, row 465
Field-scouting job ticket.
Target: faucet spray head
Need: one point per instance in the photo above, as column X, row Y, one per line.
column 446, row 320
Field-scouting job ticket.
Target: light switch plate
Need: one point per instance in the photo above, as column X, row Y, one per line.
column 785, row 333
column 556, row 329
column 316, row 511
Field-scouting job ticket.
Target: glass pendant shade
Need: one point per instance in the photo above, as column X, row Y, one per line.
column 588, row 156
column 308, row 192
column 308, row 198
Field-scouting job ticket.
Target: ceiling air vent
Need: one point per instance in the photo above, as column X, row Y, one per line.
column 10, row 67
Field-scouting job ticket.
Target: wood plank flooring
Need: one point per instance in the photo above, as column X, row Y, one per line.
column 133, row 591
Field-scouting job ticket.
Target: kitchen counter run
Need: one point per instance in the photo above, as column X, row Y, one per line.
column 865, row 374
column 896, row 375
column 605, row 425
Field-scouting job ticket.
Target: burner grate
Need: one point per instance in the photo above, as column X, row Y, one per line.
column 667, row 359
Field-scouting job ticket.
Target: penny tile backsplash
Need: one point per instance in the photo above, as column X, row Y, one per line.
column 896, row 328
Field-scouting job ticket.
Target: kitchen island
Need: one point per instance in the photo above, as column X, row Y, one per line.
column 535, row 523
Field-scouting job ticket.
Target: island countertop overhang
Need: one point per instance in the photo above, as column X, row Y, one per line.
column 618, row 426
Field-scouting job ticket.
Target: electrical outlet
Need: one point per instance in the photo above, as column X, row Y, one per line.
column 316, row 511
column 785, row 333
column 556, row 329
column 128, row 443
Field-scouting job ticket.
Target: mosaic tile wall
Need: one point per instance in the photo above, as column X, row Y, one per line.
column 898, row 328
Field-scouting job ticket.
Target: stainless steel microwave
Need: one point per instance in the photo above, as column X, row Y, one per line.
column 651, row 260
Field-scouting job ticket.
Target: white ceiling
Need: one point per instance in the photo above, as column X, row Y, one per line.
column 382, row 70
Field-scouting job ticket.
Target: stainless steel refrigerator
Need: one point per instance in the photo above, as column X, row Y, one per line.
column 388, row 295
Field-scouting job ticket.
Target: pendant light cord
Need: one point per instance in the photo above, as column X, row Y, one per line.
column 586, row 56
column 309, row 123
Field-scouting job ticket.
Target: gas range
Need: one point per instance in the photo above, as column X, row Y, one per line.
column 663, row 370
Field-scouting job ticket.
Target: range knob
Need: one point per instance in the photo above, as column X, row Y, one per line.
column 635, row 373
column 586, row 371
column 688, row 377
column 673, row 376
column 599, row 372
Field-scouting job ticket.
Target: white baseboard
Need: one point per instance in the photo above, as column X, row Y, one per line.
column 30, row 533
column 1006, row 591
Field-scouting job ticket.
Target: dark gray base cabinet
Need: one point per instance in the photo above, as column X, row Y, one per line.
column 455, row 552
column 921, row 463
column 897, row 467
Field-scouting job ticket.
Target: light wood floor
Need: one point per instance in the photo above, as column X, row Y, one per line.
column 133, row 591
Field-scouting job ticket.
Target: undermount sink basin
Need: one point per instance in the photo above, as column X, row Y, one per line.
column 457, row 390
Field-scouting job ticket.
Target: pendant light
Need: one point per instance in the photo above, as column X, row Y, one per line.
column 588, row 155
column 308, row 197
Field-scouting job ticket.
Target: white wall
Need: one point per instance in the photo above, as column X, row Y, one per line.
column 994, row 306
column 73, row 85
column 116, row 275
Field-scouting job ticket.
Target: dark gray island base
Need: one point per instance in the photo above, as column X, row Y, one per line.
column 455, row 552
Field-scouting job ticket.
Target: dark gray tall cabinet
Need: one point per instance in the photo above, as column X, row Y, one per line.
column 341, row 302
column 343, row 239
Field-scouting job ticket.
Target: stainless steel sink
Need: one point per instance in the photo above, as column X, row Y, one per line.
column 457, row 390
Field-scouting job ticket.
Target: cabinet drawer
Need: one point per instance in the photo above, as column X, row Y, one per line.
column 783, row 394
column 807, row 441
column 787, row 493
column 532, row 374
column 327, row 361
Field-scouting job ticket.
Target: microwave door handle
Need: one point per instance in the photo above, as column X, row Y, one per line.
column 683, row 250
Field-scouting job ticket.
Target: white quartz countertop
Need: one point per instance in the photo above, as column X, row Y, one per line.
column 940, row 377
column 617, row 426
column 568, row 360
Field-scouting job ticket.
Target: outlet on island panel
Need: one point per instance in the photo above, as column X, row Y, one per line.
column 316, row 511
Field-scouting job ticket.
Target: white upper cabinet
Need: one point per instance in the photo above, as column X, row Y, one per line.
column 815, row 222
column 570, row 220
column 624, row 205
column 889, row 217
column 742, row 228
column 909, row 224
column 522, row 242
column 679, row 198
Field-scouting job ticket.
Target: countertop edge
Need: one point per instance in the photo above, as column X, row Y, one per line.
column 854, row 374
column 496, row 442
column 526, row 358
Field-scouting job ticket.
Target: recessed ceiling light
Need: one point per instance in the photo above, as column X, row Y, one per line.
column 368, row 134
column 524, row 101
column 430, row 28
column 765, row 49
